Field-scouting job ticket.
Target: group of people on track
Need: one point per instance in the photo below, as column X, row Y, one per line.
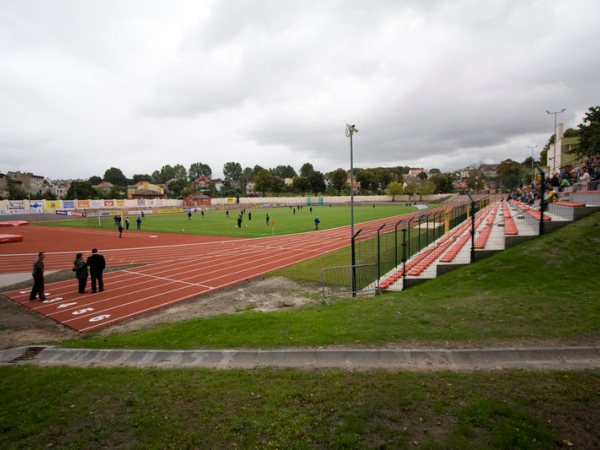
column 95, row 262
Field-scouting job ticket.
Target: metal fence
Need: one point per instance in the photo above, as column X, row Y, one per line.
column 376, row 250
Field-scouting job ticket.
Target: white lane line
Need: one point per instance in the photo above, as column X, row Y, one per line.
column 171, row 280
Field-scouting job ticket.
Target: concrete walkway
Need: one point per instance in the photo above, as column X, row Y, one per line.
column 534, row 358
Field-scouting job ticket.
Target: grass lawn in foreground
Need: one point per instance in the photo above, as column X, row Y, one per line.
column 72, row 408
column 216, row 223
column 542, row 291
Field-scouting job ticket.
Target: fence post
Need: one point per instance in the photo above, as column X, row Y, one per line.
column 379, row 257
column 420, row 247
column 404, row 254
column 542, row 202
column 396, row 242
column 409, row 240
column 472, row 231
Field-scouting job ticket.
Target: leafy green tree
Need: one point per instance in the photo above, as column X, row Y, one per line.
column 570, row 132
column 256, row 169
column 395, row 188
column 443, row 183
column 398, row 172
column 142, row 177
column 435, row 171
column 412, row 187
column 509, row 174
column 81, row 190
column 589, row 134
column 94, row 180
column 116, row 192
column 247, row 175
column 49, row 195
column 278, row 185
column 232, row 172
column 367, row 180
column 284, row 172
column 179, row 172
column 316, row 181
column 263, row 181
column 306, row 170
column 422, row 175
column 176, row 186
column 115, row 176
column 339, row 179
column 199, row 169
column 167, row 173
column 156, row 177
column 416, row 186
column 14, row 191
column 383, row 176
column 301, row 184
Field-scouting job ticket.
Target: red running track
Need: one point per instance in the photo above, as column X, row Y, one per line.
column 174, row 268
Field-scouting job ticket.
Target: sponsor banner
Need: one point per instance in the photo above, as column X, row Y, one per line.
column 120, row 203
column 141, row 202
column 62, row 212
column 69, row 204
column 83, row 204
column 109, row 203
column 170, row 211
column 7, row 212
column 53, row 204
column 96, row 204
column 230, row 199
column 16, row 204
column 36, row 207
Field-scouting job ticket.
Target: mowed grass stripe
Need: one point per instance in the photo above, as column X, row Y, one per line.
column 216, row 223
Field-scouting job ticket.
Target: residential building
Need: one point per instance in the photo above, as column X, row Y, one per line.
column 105, row 187
column 415, row 171
column 202, row 182
column 28, row 182
column 197, row 201
column 145, row 189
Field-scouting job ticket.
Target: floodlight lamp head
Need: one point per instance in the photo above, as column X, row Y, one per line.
column 351, row 129
column 564, row 109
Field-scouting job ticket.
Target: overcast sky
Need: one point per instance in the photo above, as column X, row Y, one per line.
column 89, row 85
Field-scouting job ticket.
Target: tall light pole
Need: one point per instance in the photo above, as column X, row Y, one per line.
column 555, row 137
column 350, row 130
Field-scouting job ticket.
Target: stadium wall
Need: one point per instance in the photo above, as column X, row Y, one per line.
column 103, row 207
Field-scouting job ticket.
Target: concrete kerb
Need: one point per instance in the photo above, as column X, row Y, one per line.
column 535, row 358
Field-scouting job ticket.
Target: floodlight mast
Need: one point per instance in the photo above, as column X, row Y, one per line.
column 350, row 130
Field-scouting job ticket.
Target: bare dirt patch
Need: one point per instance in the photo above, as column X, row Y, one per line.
column 20, row 326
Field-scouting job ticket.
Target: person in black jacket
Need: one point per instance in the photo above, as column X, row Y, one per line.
column 81, row 272
column 96, row 263
column 38, row 278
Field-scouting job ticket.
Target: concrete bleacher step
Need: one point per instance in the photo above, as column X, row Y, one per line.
column 502, row 226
